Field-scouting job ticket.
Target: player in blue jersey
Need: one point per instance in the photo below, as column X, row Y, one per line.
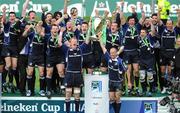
column 116, row 70
column 73, row 77
column 36, row 57
column 77, row 21
column 131, row 54
column 167, row 50
column 10, row 47
column 24, row 43
column 71, row 31
column 147, row 61
column 88, row 60
column 55, row 57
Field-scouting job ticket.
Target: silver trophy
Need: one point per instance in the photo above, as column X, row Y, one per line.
column 97, row 25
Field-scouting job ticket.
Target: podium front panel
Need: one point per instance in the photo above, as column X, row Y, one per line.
column 96, row 94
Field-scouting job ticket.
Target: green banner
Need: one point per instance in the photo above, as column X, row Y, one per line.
column 57, row 105
column 85, row 7
column 37, row 105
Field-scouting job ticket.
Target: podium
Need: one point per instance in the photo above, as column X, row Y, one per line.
column 96, row 94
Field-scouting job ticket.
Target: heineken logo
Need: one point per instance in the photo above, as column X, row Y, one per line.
column 39, row 106
column 19, row 107
column 86, row 7
column 32, row 6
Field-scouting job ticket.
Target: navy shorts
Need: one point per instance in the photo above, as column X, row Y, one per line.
column 36, row 60
column 131, row 57
column 73, row 80
column 1, row 60
column 166, row 58
column 53, row 61
column 147, row 64
column 103, row 61
column 115, row 86
column 9, row 51
column 1, row 57
column 88, row 61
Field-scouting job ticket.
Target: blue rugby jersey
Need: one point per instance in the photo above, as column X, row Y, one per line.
column 116, row 68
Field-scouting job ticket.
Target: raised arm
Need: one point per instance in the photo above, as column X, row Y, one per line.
column 1, row 25
column 101, row 42
column 27, row 29
column 4, row 14
column 43, row 16
column 62, row 29
column 42, row 33
column 142, row 14
column 123, row 20
column 178, row 42
column 178, row 20
column 116, row 16
column 158, row 16
column 61, row 19
column 121, row 49
column 25, row 5
column 65, row 6
column 153, row 32
column 88, row 36
column 40, row 28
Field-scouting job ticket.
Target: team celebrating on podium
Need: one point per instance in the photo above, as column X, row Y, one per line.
column 65, row 47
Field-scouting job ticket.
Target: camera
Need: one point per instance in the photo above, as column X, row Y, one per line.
column 167, row 101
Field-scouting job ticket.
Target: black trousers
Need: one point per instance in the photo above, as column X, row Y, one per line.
column 157, row 75
column 177, row 63
column 22, row 65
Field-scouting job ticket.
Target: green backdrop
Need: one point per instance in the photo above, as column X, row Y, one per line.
column 89, row 5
